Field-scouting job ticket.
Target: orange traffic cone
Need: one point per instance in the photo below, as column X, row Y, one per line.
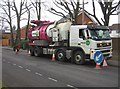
column 105, row 64
column 53, row 56
column 97, row 66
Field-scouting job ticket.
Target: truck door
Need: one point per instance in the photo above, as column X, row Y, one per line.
column 83, row 40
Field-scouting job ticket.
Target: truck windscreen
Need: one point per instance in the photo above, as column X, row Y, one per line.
column 100, row 34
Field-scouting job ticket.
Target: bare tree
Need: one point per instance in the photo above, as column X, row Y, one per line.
column 2, row 21
column 108, row 7
column 19, row 13
column 71, row 8
column 28, row 21
column 6, row 7
column 37, row 5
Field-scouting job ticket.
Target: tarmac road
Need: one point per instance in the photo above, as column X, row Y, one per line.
column 27, row 71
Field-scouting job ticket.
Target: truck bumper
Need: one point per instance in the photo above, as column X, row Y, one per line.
column 107, row 53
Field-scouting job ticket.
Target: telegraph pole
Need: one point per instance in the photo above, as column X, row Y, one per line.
column 82, row 11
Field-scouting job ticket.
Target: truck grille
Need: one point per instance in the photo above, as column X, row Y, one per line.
column 106, row 55
column 105, row 52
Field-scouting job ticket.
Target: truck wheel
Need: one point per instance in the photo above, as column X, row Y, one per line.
column 79, row 57
column 60, row 55
column 37, row 52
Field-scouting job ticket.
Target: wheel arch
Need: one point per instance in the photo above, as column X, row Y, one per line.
column 74, row 49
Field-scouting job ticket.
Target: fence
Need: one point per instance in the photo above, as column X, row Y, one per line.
column 5, row 42
column 116, row 48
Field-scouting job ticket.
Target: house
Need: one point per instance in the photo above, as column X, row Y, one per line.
column 23, row 32
column 87, row 19
column 115, row 30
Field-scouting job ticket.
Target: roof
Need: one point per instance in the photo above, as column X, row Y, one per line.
column 89, row 16
column 68, row 17
column 7, row 32
column 115, row 27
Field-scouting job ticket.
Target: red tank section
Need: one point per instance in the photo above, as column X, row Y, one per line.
column 41, row 27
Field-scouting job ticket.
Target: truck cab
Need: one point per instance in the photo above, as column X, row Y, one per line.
column 91, row 38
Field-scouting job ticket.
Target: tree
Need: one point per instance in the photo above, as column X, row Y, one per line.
column 71, row 8
column 19, row 13
column 6, row 7
column 108, row 7
column 37, row 5
column 28, row 22
column 2, row 21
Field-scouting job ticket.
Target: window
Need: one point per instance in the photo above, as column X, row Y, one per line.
column 81, row 33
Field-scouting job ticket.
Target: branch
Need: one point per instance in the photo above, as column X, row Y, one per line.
column 93, row 16
column 33, row 3
column 14, row 8
column 59, row 6
column 60, row 13
column 73, row 5
column 67, row 8
column 102, row 20
column 74, row 2
column 25, row 11
column 116, row 5
column 56, row 13
column 5, row 11
column 5, row 19
column 102, row 6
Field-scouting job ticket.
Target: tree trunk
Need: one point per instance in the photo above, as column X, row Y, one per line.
column 12, row 38
column 18, row 36
column 27, row 27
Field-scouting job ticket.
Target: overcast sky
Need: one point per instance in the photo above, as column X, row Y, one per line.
column 49, row 16
column 45, row 15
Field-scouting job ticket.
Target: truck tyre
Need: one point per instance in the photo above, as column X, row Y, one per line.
column 79, row 57
column 60, row 55
column 37, row 52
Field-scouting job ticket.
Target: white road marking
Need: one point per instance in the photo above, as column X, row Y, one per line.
column 20, row 66
column 38, row 74
column 28, row 70
column 52, row 79
column 14, row 64
column 70, row 86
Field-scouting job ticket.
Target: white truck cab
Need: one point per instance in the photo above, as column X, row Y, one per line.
column 91, row 39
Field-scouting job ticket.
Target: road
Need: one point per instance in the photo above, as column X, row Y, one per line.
column 28, row 71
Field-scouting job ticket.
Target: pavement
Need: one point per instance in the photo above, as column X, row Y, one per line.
column 110, row 62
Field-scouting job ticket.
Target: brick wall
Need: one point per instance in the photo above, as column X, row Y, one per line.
column 23, row 33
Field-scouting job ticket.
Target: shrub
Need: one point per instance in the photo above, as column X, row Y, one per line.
column 24, row 44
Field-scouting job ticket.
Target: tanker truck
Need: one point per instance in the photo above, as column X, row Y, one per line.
column 77, row 43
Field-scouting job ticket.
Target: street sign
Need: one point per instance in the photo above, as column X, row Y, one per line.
column 98, row 57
